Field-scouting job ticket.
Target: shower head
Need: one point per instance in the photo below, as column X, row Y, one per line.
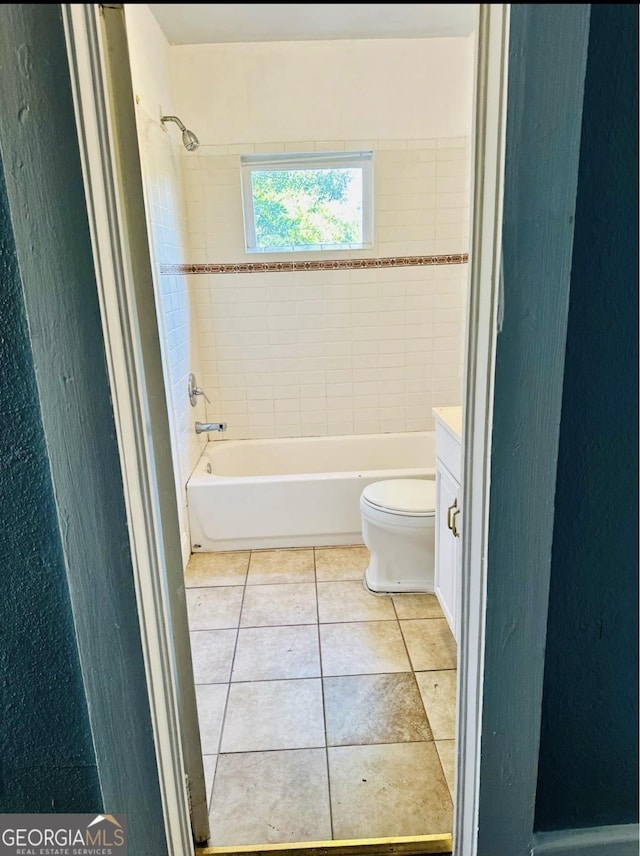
column 189, row 139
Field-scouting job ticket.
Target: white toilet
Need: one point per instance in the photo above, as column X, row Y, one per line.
column 398, row 528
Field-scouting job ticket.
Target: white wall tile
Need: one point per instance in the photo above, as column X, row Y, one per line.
column 330, row 352
column 168, row 190
column 322, row 146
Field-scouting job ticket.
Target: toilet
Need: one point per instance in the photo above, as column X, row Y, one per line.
column 398, row 528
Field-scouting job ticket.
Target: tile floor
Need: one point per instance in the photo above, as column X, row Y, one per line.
column 325, row 711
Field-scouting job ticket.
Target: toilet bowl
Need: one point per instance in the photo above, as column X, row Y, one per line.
column 398, row 528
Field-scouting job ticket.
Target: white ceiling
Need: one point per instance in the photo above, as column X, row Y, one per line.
column 209, row 23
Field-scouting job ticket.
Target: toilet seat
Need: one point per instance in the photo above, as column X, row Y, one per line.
column 401, row 497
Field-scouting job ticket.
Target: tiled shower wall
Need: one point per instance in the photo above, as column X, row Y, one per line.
column 307, row 353
column 166, row 220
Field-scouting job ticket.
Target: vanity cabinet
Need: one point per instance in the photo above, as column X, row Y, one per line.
column 448, row 513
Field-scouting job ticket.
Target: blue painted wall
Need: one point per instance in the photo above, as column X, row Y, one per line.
column 47, row 762
column 588, row 769
column 87, row 522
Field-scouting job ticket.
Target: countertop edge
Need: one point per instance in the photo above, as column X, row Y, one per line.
column 451, row 420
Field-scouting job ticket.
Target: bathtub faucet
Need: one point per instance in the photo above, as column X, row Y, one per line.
column 203, row 427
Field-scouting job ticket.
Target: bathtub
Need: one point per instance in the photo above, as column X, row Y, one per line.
column 295, row 492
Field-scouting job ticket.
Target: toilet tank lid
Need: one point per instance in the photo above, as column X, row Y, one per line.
column 412, row 496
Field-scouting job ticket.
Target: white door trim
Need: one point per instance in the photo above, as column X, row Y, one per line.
column 117, row 308
column 482, row 320
column 117, row 305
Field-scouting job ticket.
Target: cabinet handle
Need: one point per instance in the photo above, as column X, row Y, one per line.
column 450, row 510
column 454, row 528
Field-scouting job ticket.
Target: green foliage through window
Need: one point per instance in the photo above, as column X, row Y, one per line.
column 307, row 207
column 307, row 201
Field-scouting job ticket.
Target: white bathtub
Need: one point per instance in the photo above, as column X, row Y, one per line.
column 297, row 492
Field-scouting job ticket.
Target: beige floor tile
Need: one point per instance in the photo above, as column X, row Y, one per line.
column 386, row 791
column 281, row 566
column 362, row 648
column 271, row 798
column 341, row 563
column 438, row 691
column 447, row 752
column 430, row 643
column 417, row 606
column 350, row 601
column 288, row 603
column 274, row 715
column 214, row 607
column 211, row 699
column 270, row 653
column 374, row 709
column 212, row 653
column 209, row 763
column 216, row 569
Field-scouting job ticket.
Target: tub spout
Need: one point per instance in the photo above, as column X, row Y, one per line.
column 203, row 427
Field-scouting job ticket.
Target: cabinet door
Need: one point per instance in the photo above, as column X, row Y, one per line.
column 446, row 570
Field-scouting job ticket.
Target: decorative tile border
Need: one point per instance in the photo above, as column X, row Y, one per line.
column 325, row 264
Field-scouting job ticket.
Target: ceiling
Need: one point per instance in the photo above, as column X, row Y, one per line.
column 210, row 23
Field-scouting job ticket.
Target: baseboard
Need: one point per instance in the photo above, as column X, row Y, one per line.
column 619, row 840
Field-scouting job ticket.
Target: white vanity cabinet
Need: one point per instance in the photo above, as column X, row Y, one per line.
column 448, row 512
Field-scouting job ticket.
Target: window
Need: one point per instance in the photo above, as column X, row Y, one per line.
column 309, row 201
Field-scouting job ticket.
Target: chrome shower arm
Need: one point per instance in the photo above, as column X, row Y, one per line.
column 173, row 119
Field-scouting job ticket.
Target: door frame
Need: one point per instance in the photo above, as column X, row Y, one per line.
column 484, row 283
column 121, row 261
column 139, row 471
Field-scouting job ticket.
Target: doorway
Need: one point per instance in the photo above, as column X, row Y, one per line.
column 407, row 318
column 559, row 64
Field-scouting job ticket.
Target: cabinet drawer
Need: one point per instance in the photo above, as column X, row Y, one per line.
column 448, row 450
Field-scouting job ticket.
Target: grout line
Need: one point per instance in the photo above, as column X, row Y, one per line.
column 320, row 677
column 406, row 648
column 226, row 702
column 361, row 621
column 335, row 746
column 424, row 705
column 309, row 581
column 413, row 672
column 215, row 770
column 324, row 706
column 444, row 775
column 365, row 621
column 317, row 677
column 213, row 629
column 282, row 550
column 322, row 623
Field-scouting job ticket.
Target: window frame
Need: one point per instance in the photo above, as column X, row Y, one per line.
column 290, row 161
